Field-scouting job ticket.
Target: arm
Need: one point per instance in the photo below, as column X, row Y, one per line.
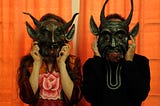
column 33, row 79
column 74, row 70
column 70, row 72
column 25, row 90
column 67, row 83
column 28, row 82
column 92, row 81
column 137, row 73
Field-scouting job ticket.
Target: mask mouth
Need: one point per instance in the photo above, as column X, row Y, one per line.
column 49, row 49
column 113, row 54
column 49, row 56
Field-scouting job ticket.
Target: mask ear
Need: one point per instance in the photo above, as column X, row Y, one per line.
column 93, row 27
column 70, row 34
column 32, row 33
column 135, row 30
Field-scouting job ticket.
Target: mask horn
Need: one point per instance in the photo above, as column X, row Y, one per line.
column 61, row 29
column 70, row 34
column 36, row 22
column 32, row 33
column 128, row 20
column 93, row 27
column 67, row 25
column 135, row 30
column 102, row 16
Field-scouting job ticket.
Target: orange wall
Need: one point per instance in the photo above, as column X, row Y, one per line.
column 14, row 41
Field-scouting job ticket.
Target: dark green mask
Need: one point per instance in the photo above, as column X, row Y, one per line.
column 50, row 34
column 113, row 34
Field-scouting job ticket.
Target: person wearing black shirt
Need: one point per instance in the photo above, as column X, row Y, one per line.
column 116, row 75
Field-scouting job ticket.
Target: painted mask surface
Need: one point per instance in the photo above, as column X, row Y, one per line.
column 51, row 33
column 113, row 34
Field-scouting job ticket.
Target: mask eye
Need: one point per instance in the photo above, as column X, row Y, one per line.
column 106, row 33
column 54, row 46
column 104, row 37
column 121, row 34
column 57, row 45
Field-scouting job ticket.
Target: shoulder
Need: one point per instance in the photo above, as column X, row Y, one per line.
column 26, row 61
column 94, row 60
column 25, row 64
column 93, row 63
column 138, row 57
column 73, row 58
column 73, row 61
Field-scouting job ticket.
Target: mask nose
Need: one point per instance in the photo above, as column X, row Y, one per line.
column 113, row 42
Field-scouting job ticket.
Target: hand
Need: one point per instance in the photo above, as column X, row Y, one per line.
column 63, row 54
column 35, row 52
column 131, row 50
column 95, row 48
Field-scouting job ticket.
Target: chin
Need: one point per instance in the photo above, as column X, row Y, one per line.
column 50, row 59
column 114, row 57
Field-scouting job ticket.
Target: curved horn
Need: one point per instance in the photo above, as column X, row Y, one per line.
column 70, row 34
column 102, row 16
column 36, row 22
column 67, row 25
column 128, row 20
column 32, row 33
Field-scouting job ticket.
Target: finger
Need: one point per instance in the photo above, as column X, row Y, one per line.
column 132, row 46
column 33, row 52
column 35, row 43
column 35, row 47
column 133, row 39
column 66, row 47
column 60, row 54
column 96, row 38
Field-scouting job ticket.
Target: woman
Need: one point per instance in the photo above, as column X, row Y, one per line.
column 49, row 75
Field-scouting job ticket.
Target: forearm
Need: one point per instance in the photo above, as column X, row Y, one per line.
column 138, row 80
column 33, row 79
column 67, row 83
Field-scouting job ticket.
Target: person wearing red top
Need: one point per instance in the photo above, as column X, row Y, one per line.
column 50, row 75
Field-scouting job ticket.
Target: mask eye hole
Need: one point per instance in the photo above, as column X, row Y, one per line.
column 120, row 34
column 54, row 46
column 106, row 33
column 57, row 45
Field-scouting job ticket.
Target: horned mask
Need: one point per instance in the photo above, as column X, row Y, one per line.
column 113, row 35
column 50, row 34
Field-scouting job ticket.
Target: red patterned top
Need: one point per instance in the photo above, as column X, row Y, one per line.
column 50, row 90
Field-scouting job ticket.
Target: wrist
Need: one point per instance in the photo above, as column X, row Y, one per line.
column 37, row 63
column 129, row 59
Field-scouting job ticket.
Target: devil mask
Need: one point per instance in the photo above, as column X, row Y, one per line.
column 113, row 34
column 51, row 33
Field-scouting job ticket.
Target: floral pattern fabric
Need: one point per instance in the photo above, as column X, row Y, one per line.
column 50, row 86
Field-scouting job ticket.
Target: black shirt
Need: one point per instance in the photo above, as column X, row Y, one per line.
column 130, row 88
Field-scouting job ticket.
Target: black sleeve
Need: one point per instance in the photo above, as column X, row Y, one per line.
column 137, row 78
column 91, row 84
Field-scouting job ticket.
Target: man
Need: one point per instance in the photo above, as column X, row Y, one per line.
column 115, row 76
